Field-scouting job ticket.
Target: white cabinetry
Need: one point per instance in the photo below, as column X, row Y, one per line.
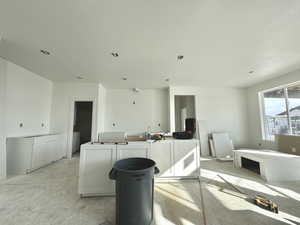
column 174, row 158
column 37, row 156
column 162, row 153
column 133, row 150
column 96, row 162
column 186, row 158
column 25, row 154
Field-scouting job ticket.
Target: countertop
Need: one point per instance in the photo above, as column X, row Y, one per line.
column 33, row 136
column 145, row 142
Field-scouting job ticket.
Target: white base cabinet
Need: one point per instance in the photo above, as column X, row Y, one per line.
column 186, row 158
column 25, row 154
column 96, row 162
column 174, row 158
column 162, row 153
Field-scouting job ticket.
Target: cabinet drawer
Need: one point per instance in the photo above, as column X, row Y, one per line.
column 133, row 151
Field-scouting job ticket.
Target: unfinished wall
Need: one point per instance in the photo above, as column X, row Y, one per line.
column 24, row 98
column 136, row 113
column 217, row 110
column 28, row 101
column 255, row 130
column 64, row 95
column 101, row 108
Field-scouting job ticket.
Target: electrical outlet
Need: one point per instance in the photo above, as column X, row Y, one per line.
column 21, row 125
column 293, row 149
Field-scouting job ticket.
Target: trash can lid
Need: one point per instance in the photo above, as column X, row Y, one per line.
column 134, row 164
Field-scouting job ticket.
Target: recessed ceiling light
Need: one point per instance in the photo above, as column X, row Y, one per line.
column 124, row 78
column 45, row 52
column 180, row 57
column 79, row 77
column 115, row 54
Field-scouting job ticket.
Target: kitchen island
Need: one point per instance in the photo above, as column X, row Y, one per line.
column 176, row 159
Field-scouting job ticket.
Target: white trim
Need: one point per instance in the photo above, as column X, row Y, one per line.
column 280, row 87
column 172, row 107
column 287, row 108
column 261, row 103
column 71, row 121
column 3, row 119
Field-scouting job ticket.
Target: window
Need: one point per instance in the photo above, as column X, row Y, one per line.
column 281, row 111
column 294, row 108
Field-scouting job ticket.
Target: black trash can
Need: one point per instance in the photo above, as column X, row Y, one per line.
column 134, row 190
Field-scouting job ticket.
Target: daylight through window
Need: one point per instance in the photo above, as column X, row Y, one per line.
column 281, row 111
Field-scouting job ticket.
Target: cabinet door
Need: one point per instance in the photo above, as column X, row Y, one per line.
column 37, row 156
column 161, row 153
column 45, row 153
column 55, row 149
column 132, row 151
column 95, row 165
column 60, row 148
column 52, row 151
column 186, row 159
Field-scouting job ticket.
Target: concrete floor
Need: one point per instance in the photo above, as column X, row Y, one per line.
column 225, row 206
column 49, row 197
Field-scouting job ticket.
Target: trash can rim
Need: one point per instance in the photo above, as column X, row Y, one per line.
column 134, row 171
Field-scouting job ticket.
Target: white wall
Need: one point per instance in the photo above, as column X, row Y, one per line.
column 28, row 101
column 217, row 110
column 150, row 110
column 24, row 98
column 255, row 131
column 64, row 95
column 101, row 108
column 2, row 117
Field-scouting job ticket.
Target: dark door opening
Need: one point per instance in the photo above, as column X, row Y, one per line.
column 251, row 165
column 82, row 130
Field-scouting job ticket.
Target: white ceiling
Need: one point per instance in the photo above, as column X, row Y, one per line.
column 221, row 40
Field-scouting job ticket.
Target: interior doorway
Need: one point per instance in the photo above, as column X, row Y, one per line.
column 82, row 125
column 184, row 108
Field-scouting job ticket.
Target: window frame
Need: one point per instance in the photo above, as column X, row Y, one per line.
column 263, row 124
